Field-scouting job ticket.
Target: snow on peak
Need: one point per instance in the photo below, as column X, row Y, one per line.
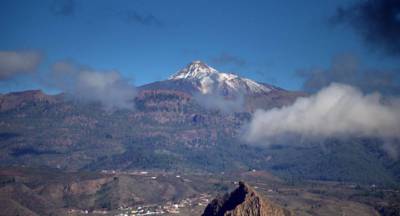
column 194, row 70
column 209, row 80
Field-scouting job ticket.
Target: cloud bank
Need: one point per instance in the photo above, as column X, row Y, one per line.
column 336, row 111
column 13, row 63
column 376, row 21
column 107, row 87
column 346, row 69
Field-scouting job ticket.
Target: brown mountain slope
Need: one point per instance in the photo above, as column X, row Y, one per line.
column 244, row 201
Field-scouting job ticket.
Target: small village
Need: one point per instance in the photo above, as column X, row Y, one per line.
column 168, row 208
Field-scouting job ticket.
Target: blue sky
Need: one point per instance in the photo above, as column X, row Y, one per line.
column 148, row 40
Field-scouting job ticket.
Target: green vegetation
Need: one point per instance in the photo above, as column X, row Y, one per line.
column 168, row 131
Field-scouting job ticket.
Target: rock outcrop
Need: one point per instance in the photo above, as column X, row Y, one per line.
column 243, row 201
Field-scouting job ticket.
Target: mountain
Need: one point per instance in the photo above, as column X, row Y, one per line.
column 243, row 201
column 16, row 99
column 206, row 80
column 197, row 78
column 171, row 130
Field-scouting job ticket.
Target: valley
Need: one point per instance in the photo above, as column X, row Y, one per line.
column 42, row 191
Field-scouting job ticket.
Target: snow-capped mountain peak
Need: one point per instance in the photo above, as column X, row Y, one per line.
column 208, row 80
column 194, row 70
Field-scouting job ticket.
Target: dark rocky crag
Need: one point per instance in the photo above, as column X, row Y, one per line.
column 243, row 201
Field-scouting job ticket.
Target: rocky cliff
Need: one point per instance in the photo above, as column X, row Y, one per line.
column 243, row 201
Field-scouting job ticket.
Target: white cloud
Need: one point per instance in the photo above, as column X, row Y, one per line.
column 211, row 96
column 13, row 63
column 107, row 87
column 335, row 111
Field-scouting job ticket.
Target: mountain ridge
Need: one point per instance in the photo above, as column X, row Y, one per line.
column 170, row 129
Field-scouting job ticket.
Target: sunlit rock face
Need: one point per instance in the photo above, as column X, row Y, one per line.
column 243, row 201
